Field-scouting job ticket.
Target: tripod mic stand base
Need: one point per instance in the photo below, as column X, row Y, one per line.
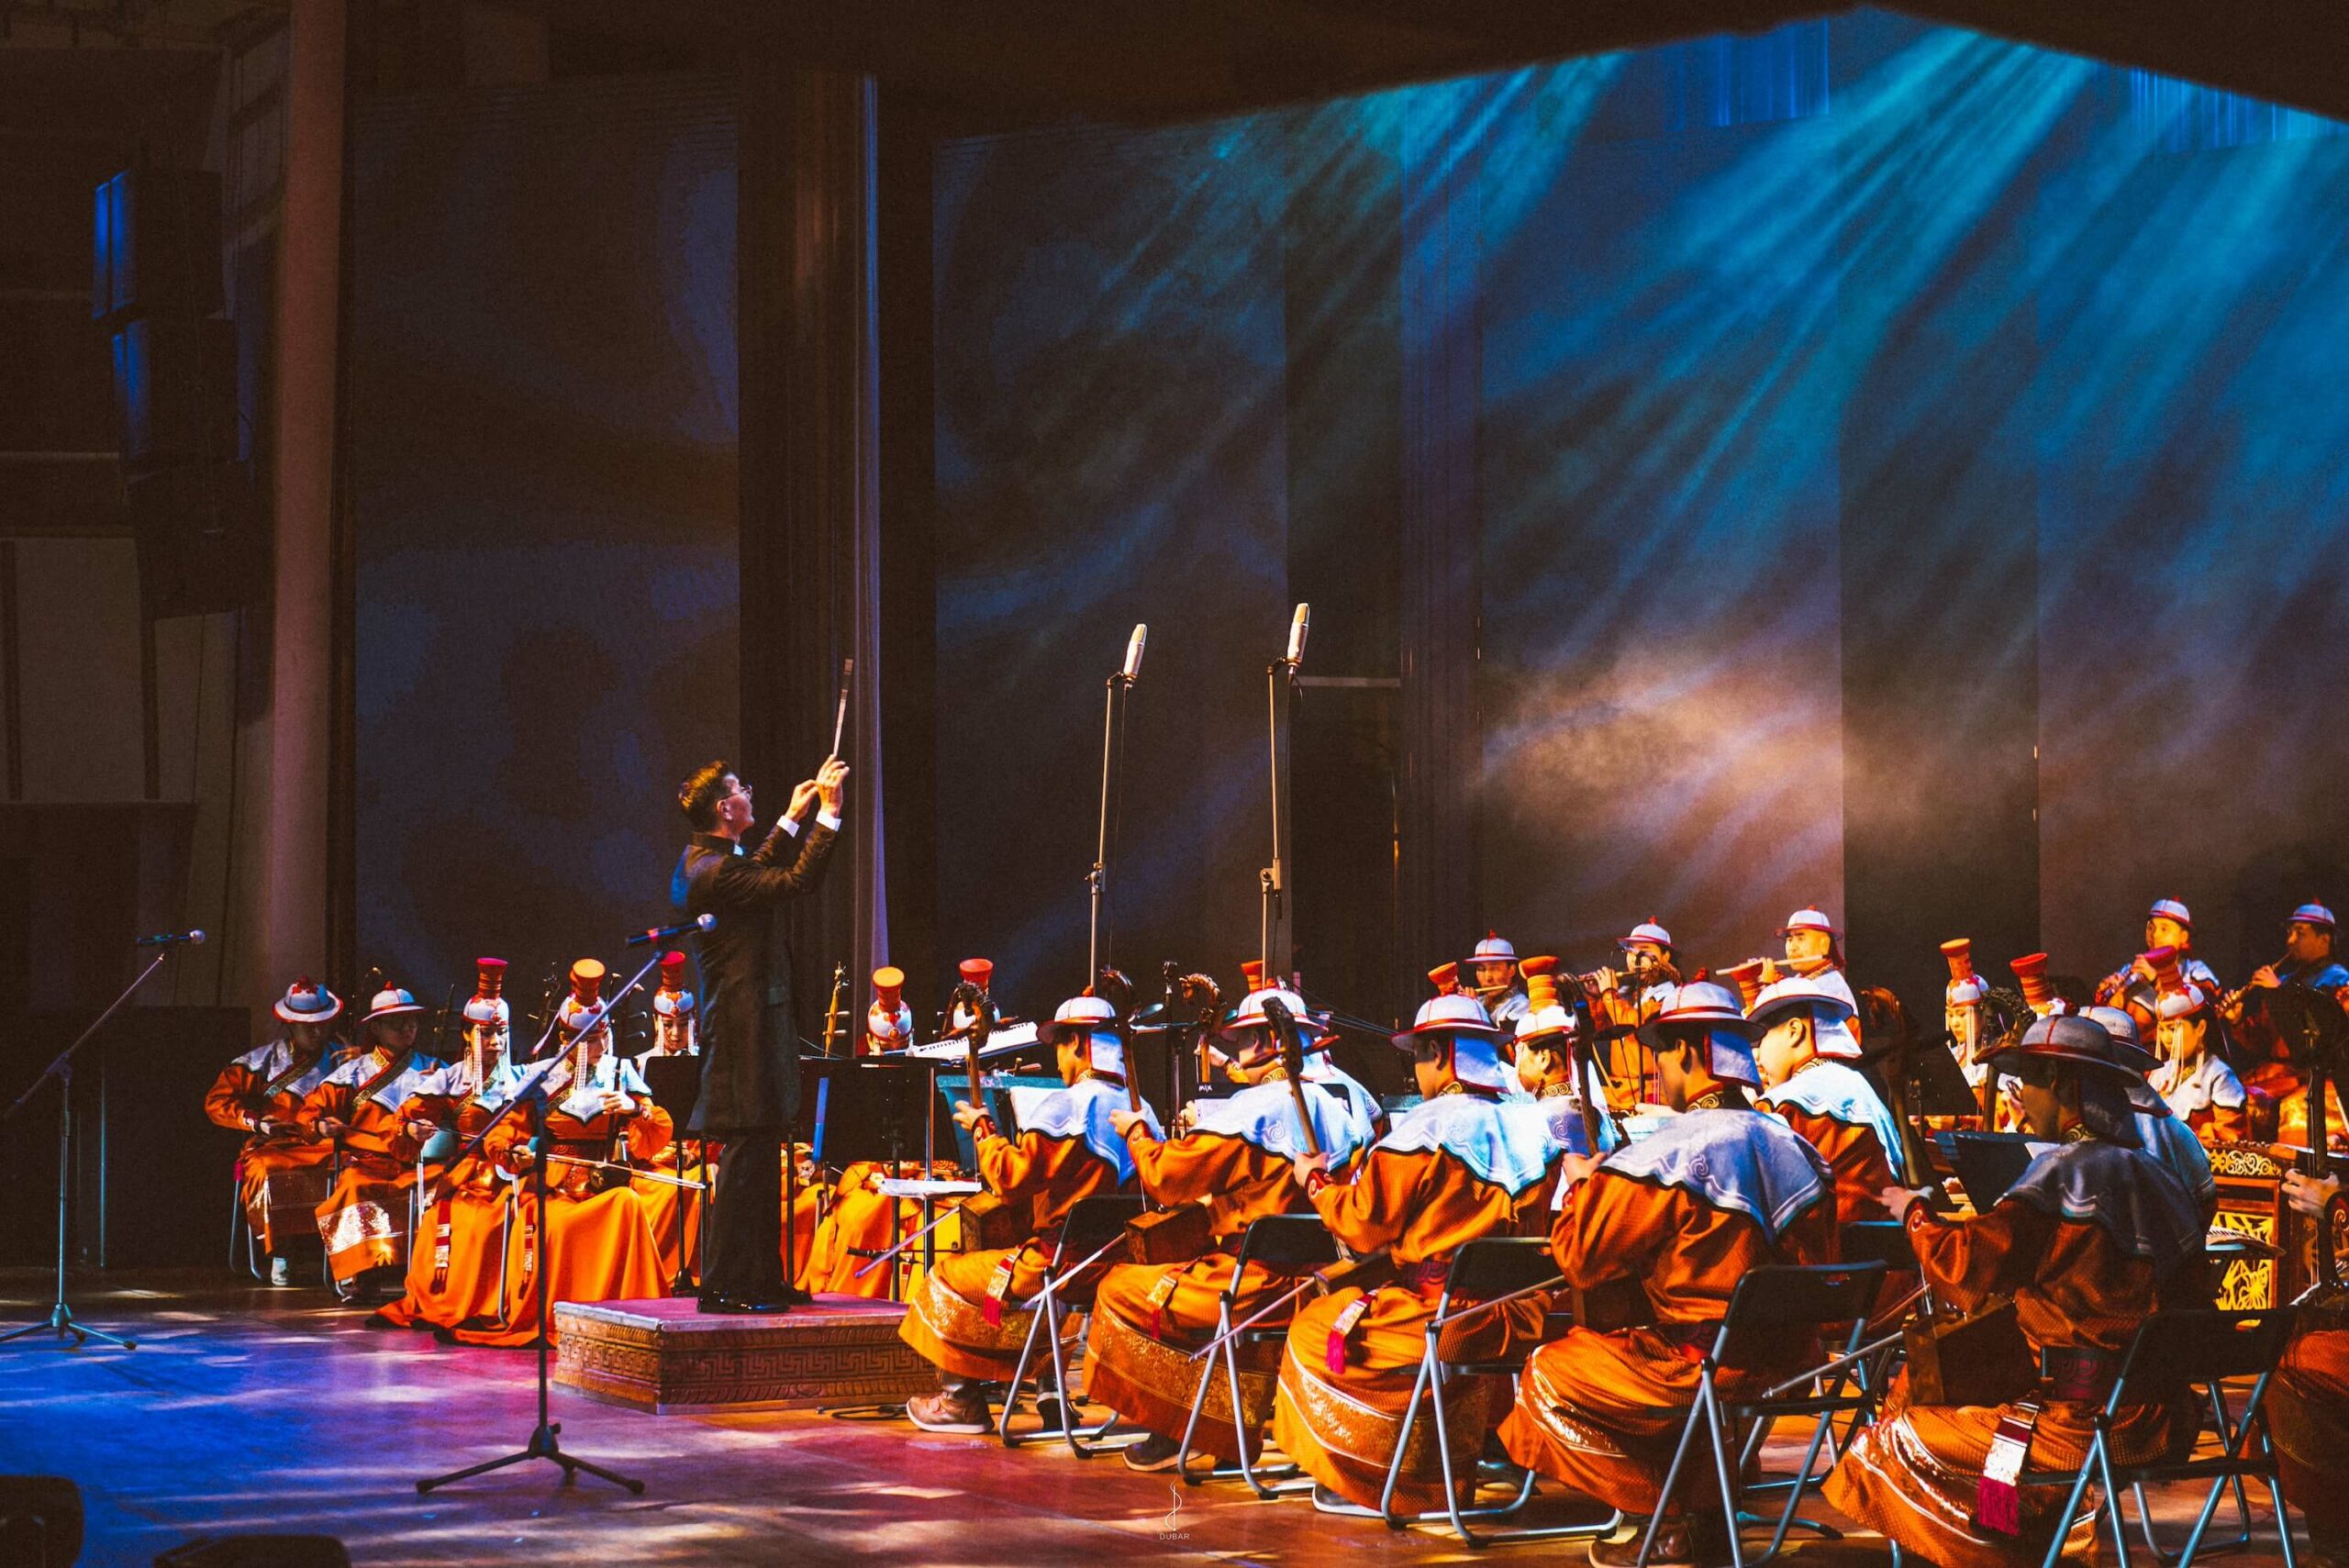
column 60, row 1321
column 544, row 1444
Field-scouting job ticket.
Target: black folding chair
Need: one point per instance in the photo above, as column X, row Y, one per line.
column 2204, row 1347
column 1094, row 1228
column 1284, row 1243
column 1768, row 1304
column 1485, row 1274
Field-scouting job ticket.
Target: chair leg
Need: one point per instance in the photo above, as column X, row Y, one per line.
column 1724, row 1468
column 2112, row 1505
column 1403, row 1436
column 2072, row 1503
column 2283, row 1520
column 1043, row 1315
column 1696, row 1412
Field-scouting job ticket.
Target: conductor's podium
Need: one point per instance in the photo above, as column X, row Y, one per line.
column 666, row 1356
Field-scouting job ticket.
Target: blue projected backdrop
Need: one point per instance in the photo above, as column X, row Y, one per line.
column 1702, row 280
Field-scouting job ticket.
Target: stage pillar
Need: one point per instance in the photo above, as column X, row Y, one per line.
column 294, row 923
column 811, row 476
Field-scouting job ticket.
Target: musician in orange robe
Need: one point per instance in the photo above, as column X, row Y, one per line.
column 261, row 1093
column 1807, row 1052
column 368, row 1107
column 598, row 1244
column 966, row 1316
column 2308, row 961
column 1621, row 1002
column 2308, row 1405
column 1236, row 1157
column 2089, row 1240
column 1457, row 1167
column 1574, row 1118
column 455, row 1270
column 1715, row 1191
column 2201, row 1090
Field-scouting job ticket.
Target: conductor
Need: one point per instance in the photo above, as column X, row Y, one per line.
column 749, row 1082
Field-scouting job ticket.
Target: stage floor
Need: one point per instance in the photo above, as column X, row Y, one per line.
column 249, row 1409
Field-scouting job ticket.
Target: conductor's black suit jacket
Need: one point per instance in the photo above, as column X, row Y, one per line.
column 750, row 1073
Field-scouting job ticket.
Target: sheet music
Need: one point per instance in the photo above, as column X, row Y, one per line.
column 1007, row 1040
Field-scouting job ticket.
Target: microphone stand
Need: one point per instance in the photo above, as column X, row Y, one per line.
column 1272, row 881
column 544, row 1441
column 1097, row 879
column 61, row 1316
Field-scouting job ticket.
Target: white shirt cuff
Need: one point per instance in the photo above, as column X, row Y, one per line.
column 827, row 821
column 790, row 828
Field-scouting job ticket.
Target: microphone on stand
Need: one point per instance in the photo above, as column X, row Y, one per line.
column 171, row 938
column 1133, row 653
column 1298, row 626
column 662, row 933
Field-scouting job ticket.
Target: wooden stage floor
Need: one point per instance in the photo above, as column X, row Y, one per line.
column 249, row 1409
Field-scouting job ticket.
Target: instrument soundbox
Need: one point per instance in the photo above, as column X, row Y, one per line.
column 1177, row 1234
column 1981, row 1358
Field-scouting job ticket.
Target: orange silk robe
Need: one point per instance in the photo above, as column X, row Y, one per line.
column 2308, row 1410
column 231, row 1104
column 1855, row 1153
column 456, row 1270
column 363, row 1221
column 861, row 1225
column 946, row 1315
column 599, row 1246
column 1149, row 1318
column 1422, row 1205
column 1913, row 1475
column 1602, row 1411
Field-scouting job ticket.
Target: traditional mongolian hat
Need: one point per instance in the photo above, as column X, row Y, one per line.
column 2037, row 991
column 1710, row 1012
column 1827, row 993
column 1097, row 1019
column 392, row 1002
column 1253, row 1030
column 2066, row 1036
column 1647, row 933
column 2171, row 909
column 1965, row 988
column 1445, row 978
column 979, row 972
column 2121, row 1029
column 2175, row 996
column 487, row 1005
column 307, row 1002
column 1809, row 921
column 1494, row 949
column 1747, row 978
column 1476, row 1054
column 1545, row 1018
column 2312, row 914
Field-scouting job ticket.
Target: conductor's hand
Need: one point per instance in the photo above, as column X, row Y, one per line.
column 803, row 802
column 966, row 1115
column 1126, row 1122
column 831, row 783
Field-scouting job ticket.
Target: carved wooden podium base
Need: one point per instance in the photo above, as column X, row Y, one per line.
column 665, row 1357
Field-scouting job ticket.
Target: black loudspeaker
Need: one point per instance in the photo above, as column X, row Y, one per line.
column 202, row 548
column 40, row 1520
column 156, row 245
column 151, row 1173
column 175, row 391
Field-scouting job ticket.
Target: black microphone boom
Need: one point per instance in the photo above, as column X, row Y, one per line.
column 662, row 933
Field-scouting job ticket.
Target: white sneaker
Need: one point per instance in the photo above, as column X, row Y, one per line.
column 281, row 1271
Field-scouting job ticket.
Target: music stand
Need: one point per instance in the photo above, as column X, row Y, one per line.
column 1990, row 1163
column 675, row 1082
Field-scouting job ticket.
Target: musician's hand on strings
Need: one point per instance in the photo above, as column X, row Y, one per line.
column 831, row 783
column 421, row 1129
column 2311, row 1195
column 618, row 1104
column 1899, row 1200
column 1576, row 1168
column 966, row 1115
column 1308, row 1165
column 1126, row 1122
column 329, row 1128
column 803, row 802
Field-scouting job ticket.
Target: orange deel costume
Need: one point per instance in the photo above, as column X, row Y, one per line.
column 2308, row 1410
column 364, row 1219
column 266, row 1084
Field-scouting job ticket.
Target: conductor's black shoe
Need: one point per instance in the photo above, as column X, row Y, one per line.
column 708, row 1303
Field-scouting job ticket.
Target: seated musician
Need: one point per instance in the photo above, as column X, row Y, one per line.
column 1236, row 1158
column 2159, row 1133
column 1622, row 1001
column 861, row 1224
column 2091, row 1239
column 597, row 1243
column 1976, row 1019
column 2308, row 1404
column 2168, row 924
column 260, row 1094
column 367, row 1108
column 1493, row 979
column 1717, row 1190
column 1808, row 1056
column 2201, row 1090
column 1455, row 1168
column 966, row 1316
column 454, row 1272
column 1573, row 1116
column 2309, row 961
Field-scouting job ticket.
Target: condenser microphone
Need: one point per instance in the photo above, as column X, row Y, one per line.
column 1296, row 629
column 662, row 933
column 172, row 939
column 1133, row 653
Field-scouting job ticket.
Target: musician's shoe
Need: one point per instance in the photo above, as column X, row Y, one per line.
column 281, row 1271
column 1701, row 1542
column 949, row 1411
column 1154, row 1453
